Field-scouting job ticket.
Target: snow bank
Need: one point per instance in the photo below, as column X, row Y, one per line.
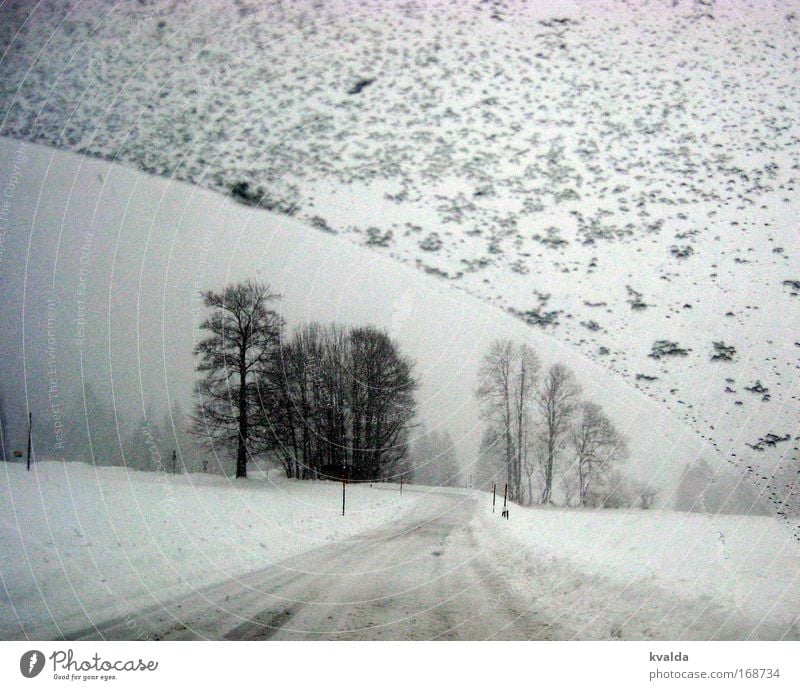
column 652, row 574
column 82, row 544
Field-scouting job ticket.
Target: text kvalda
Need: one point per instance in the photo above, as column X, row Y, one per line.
column 670, row 656
column 65, row 661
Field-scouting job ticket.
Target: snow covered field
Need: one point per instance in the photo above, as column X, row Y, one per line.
column 622, row 176
column 641, row 575
column 81, row 545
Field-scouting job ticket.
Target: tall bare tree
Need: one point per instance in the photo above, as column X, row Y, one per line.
column 243, row 340
column 495, row 396
column 556, row 399
column 506, row 391
column 597, row 446
column 535, row 463
column 524, row 379
column 385, row 381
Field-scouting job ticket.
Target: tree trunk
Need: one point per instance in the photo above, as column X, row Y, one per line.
column 520, row 424
column 241, row 450
column 548, row 470
column 581, row 482
column 509, row 444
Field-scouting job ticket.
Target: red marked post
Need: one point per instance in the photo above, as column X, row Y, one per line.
column 30, row 425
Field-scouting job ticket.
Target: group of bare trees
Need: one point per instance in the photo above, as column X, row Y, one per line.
column 541, row 430
column 342, row 401
column 327, row 402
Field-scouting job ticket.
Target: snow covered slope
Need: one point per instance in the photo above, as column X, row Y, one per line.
column 621, row 175
column 101, row 277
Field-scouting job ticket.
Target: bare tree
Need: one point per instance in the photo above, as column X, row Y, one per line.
column 534, row 464
column 490, row 466
column 524, row 378
column 556, row 400
column 434, row 459
column 495, row 395
column 569, row 486
column 243, row 340
column 508, row 377
column 618, row 493
column 647, row 496
column 597, row 445
column 385, row 381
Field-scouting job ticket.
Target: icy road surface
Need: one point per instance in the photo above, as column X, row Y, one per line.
column 423, row 577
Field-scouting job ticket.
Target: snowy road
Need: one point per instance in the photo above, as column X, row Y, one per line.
column 420, row 578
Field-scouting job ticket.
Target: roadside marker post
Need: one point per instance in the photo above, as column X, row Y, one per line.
column 344, row 484
column 505, row 503
column 494, row 495
column 30, row 425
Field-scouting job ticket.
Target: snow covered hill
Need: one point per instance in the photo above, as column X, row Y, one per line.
column 622, row 176
column 100, row 291
column 100, row 288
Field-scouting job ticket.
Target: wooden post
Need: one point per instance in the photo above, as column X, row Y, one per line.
column 174, row 462
column 344, row 484
column 505, row 503
column 30, row 423
column 494, row 495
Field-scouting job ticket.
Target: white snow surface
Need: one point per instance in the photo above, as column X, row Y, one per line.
column 622, row 175
column 139, row 554
column 651, row 574
column 82, row 545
